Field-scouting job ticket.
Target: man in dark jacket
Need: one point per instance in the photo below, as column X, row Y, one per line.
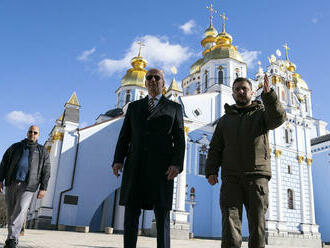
column 152, row 141
column 240, row 146
column 24, row 166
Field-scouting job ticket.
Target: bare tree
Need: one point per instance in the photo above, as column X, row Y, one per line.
column 3, row 211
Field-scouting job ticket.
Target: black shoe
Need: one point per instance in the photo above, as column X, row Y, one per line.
column 11, row 243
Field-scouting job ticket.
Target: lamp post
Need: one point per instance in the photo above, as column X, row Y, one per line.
column 191, row 201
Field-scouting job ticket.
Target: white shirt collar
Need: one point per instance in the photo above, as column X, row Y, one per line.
column 157, row 98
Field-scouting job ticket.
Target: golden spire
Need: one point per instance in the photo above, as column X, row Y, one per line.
column 260, row 70
column 61, row 118
column 174, row 86
column 210, row 8
column 73, row 100
column 141, row 45
column 286, row 51
column 224, row 18
column 290, row 66
column 138, row 62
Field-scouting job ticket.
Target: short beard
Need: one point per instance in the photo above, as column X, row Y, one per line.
column 242, row 103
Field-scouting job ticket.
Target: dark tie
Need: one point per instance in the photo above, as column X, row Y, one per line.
column 151, row 105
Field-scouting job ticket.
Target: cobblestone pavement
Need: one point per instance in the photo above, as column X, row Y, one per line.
column 59, row 239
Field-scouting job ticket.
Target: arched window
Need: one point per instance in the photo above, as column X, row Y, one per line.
column 290, row 199
column 288, row 135
column 206, row 78
column 287, row 138
column 128, row 96
column 202, row 159
column 220, row 77
column 306, row 104
column 237, row 72
column 198, row 89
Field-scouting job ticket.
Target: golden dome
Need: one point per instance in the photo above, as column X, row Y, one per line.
column 291, row 66
column 210, row 31
column 223, row 52
column 136, row 75
column 300, row 83
column 224, row 40
column 196, row 67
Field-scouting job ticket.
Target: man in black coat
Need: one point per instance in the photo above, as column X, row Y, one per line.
column 151, row 147
column 25, row 166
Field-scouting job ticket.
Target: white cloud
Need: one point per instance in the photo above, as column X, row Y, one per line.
column 85, row 54
column 250, row 57
column 21, row 120
column 158, row 52
column 187, row 28
column 315, row 20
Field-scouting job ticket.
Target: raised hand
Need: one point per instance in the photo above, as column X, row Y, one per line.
column 266, row 84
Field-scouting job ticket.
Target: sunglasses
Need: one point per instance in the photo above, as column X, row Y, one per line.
column 149, row 77
column 34, row 132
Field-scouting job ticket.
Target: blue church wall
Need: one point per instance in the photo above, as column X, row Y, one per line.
column 207, row 213
column 97, row 166
column 321, row 184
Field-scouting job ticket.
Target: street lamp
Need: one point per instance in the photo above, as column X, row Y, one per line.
column 191, row 203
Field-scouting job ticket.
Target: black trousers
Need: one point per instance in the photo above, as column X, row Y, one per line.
column 131, row 224
column 253, row 194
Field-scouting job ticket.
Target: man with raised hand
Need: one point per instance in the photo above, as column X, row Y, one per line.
column 24, row 167
column 152, row 144
column 240, row 146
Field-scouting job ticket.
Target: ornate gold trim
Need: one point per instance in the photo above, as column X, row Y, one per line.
column 186, row 130
column 300, row 159
column 276, row 79
column 309, row 161
column 278, row 153
column 57, row 136
column 290, row 85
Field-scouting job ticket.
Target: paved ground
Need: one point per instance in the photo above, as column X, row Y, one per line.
column 58, row 239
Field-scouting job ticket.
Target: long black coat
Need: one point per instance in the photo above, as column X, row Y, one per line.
column 150, row 143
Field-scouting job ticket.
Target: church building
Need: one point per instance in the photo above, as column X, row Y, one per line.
column 84, row 195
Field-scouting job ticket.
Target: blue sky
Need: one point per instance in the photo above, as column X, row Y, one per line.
column 49, row 49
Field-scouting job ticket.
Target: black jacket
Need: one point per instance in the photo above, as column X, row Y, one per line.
column 39, row 166
column 150, row 143
column 240, row 141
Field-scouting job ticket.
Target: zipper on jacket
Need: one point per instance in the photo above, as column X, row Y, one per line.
column 265, row 146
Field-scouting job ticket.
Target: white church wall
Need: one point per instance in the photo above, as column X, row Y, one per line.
column 199, row 107
column 66, row 162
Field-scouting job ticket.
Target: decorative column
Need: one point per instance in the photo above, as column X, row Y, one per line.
column 179, row 216
column 304, row 228
column 281, row 226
